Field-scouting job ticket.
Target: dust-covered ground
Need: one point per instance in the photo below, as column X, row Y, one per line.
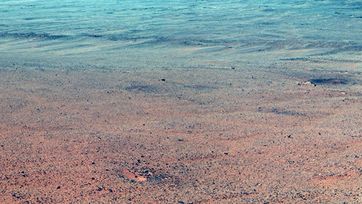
column 227, row 135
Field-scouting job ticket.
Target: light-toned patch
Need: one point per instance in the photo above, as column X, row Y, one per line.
column 133, row 176
column 334, row 179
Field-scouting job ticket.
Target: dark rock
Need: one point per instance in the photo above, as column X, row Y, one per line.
column 24, row 174
column 100, row 188
column 286, row 112
column 17, row 195
column 143, row 88
column 329, row 81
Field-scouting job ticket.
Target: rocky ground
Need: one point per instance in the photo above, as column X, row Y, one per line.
column 225, row 135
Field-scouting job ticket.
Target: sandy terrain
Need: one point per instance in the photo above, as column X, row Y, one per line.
column 180, row 136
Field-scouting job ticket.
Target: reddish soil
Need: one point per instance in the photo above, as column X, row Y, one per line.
column 178, row 136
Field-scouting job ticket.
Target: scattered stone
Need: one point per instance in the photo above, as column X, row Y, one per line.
column 305, row 83
column 159, row 178
column 243, row 192
column 17, row 195
column 23, row 174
